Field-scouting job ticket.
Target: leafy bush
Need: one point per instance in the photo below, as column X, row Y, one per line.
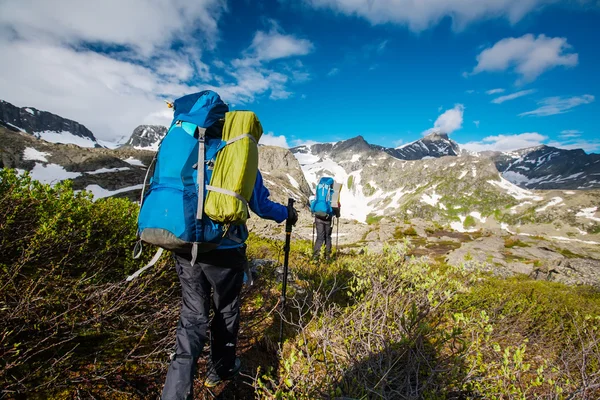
column 411, row 329
column 68, row 321
column 469, row 222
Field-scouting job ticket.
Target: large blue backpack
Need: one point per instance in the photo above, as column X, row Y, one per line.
column 321, row 206
column 171, row 215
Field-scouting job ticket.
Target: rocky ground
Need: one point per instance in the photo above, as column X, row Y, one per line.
column 543, row 255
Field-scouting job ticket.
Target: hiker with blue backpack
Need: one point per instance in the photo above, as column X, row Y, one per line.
column 324, row 207
column 205, row 179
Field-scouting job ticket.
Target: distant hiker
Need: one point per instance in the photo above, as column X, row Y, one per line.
column 206, row 178
column 324, row 207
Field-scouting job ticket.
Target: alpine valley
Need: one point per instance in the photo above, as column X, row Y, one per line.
column 533, row 211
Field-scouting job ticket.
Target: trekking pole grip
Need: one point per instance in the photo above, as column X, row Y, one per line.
column 288, row 226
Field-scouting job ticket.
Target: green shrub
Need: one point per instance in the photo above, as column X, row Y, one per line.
column 67, row 316
column 373, row 219
column 469, row 222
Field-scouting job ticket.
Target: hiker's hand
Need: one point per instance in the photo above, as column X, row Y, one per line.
column 292, row 216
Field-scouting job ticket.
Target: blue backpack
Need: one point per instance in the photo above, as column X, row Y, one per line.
column 321, row 206
column 171, row 215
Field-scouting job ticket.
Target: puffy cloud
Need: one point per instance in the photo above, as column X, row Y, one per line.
column 274, row 45
column 558, row 105
column 495, row 91
column 422, row 14
column 449, row 121
column 63, row 57
column 528, row 56
column 512, row 96
column 506, row 142
column 270, row 139
column 140, row 25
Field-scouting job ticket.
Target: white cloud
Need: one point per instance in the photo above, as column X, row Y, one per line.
column 274, row 45
column 140, row 25
column 476, row 124
column 558, row 105
column 63, row 57
column 302, row 142
column 589, row 146
column 570, row 133
column 450, row 121
column 422, row 14
column 506, row 142
column 512, row 96
column 270, row 139
column 528, row 56
column 333, row 72
column 526, row 140
column 495, row 91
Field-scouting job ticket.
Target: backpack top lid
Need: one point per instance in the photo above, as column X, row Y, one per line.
column 326, row 181
column 202, row 109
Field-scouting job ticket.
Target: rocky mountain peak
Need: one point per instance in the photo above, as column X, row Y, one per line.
column 436, row 136
column 147, row 137
column 434, row 145
column 45, row 125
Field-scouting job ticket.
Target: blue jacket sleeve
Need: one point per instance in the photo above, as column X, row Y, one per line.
column 262, row 206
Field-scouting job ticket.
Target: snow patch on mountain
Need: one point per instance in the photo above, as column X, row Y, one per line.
column 293, row 181
column 107, row 170
column 306, row 158
column 555, row 201
column 65, row 137
column 32, row 154
column 51, row 173
column 515, row 191
column 134, row 162
column 459, row 226
column 588, row 213
column 16, row 127
column 432, row 199
column 477, row 215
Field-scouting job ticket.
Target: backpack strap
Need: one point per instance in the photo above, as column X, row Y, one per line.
column 246, row 135
column 200, row 170
column 150, row 264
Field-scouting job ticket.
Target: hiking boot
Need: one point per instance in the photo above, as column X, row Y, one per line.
column 213, row 379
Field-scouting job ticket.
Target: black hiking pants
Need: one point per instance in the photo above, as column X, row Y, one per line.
column 218, row 276
column 324, row 230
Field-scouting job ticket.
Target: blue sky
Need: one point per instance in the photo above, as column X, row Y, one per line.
column 498, row 74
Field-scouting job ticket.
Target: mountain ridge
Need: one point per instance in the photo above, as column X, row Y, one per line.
column 45, row 125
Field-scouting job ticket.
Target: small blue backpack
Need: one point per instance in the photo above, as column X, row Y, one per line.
column 321, row 206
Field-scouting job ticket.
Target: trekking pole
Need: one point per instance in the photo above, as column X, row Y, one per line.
column 286, row 259
column 337, row 235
